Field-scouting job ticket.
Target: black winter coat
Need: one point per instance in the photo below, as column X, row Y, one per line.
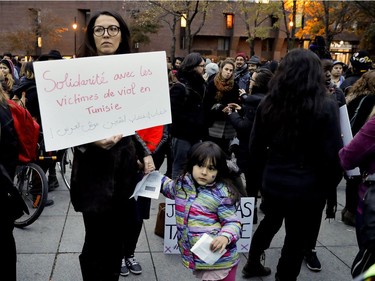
column 103, row 180
column 301, row 172
column 188, row 114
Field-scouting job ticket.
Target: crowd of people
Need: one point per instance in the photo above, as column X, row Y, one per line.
column 279, row 120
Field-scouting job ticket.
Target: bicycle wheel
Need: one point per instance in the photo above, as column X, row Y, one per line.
column 32, row 184
column 66, row 166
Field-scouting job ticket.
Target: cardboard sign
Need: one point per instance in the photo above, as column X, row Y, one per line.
column 245, row 212
column 89, row 99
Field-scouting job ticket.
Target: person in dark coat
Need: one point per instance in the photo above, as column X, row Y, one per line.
column 189, row 125
column 242, row 119
column 293, row 148
column 105, row 172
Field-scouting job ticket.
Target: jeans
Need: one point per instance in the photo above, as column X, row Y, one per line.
column 180, row 150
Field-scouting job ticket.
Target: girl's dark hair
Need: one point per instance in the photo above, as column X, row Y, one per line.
column 88, row 48
column 296, row 94
column 201, row 152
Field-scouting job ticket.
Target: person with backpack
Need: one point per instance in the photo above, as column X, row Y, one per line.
column 26, row 95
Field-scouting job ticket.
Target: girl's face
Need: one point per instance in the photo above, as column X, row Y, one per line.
column 204, row 174
column 4, row 69
column 227, row 71
column 107, row 44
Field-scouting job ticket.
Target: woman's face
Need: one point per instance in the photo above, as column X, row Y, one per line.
column 107, row 44
column 200, row 67
column 4, row 69
column 227, row 71
column 252, row 79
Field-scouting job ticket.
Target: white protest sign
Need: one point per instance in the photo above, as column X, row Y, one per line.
column 88, row 99
column 245, row 212
column 347, row 135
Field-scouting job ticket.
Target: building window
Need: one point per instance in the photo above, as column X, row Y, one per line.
column 229, row 20
column 223, row 44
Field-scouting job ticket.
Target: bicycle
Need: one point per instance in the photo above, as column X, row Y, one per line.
column 32, row 184
column 66, row 164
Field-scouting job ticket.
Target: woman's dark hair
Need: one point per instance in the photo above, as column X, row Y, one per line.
column 88, row 48
column 262, row 79
column 191, row 61
column 202, row 152
column 296, row 93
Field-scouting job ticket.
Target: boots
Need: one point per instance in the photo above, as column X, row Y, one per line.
column 254, row 267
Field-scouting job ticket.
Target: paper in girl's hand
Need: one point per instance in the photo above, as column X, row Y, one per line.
column 203, row 251
column 149, row 186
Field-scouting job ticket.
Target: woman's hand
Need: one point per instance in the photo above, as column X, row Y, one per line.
column 234, row 106
column 219, row 243
column 108, row 143
column 242, row 91
column 148, row 164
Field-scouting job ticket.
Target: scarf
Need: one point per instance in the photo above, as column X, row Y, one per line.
column 222, row 85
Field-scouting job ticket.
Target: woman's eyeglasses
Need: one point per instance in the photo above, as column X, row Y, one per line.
column 112, row 30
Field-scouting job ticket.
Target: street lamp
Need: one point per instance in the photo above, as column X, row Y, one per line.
column 75, row 25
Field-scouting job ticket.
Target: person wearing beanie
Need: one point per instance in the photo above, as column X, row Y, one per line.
column 253, row 64
column 242, row 75
column 359, row 63
column 337, row 70
column 211, row 69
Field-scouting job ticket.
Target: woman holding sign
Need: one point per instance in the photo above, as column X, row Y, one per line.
column 105, row 172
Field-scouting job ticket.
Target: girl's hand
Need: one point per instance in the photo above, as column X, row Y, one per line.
column 108, row 143
column 219, row 243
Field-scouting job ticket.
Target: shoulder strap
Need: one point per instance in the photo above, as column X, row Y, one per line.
column 352, row 120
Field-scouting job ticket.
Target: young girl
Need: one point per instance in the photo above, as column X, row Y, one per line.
column 205, row 203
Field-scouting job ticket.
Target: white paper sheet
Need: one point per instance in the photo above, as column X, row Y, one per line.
column 203, row 251
column 149, row 186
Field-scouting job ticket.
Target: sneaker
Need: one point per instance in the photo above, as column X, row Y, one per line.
column 312, row 261
column 133, row 265
column 124, row 271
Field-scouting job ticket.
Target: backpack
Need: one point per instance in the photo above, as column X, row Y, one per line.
column 27, row 130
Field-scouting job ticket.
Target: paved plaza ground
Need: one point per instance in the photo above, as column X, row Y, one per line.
column 48, row 249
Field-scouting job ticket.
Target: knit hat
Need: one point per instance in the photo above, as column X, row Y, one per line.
column 8, row 64
column 211, row 68
column 241, row 55
column 338, row 62
column 254, row 60
column 361, row 61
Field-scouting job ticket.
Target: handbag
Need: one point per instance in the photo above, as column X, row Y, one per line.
column 14, row 203
column 366, row 255
column 160, row 221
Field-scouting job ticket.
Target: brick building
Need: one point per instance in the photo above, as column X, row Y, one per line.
column 214, row 40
